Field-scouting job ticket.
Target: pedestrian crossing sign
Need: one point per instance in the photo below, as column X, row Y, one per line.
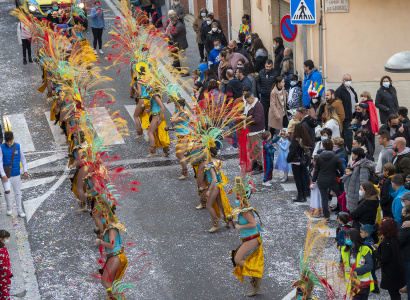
column 303, row 12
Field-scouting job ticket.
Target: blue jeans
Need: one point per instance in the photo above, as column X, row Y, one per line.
column 407, row 267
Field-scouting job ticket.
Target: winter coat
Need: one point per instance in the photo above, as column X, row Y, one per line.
column 180, row 10
column 234, row 88
column 159, row 3
column 256, row 118
column 404, row 241
column 252, row 79
column 402, row 163
column 333, row 125
column 278, row 60
column 295, row 151
column 341, row 152
column 260, row 59
column 245, row 81
column 385, row 156
column 338, row 105
column 365, row 212
column 396, row 206
column 386, row 200
column 197, row 28
column 211, row 37
column 360, row 174
column 405, row 133
column 204, row 31
column 310, row 125
column 264, row 83
column 295, row 96
column 233, row 61
column 241, row 50
column 343, row 94
column 178, row 36
column 326, row 167
column 276, row 109
column 386, row 102
column 313, row 76
column 393, row 272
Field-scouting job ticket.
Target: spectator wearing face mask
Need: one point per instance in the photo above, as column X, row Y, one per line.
column 214, row 34
column 97, row 25
column 396, row 128
column 197, row 28
column 213, row 61
column 386, row 99
column 246, row 27
column 179, row 9
column 295, row 93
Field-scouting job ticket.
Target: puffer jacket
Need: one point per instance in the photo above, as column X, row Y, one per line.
column 360, row 174
column 365, row 212
column 264, row 83
column 312, row 77
column 326, row 167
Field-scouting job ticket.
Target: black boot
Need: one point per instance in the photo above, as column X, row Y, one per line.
column 336, row 208
column 304, row 197
column 258, row 170
column 299, row 198
column 30, row 60
column 24, row 61
column 376, row 289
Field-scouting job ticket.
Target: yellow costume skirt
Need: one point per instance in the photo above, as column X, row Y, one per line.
column 90, row 56
column 225, row 202
column 52, row 114
column 183, row 141
column 161, row 135
column 253, row 266
column 74, row 184
column 144, row 116
column 122, row 267
column 42, row 88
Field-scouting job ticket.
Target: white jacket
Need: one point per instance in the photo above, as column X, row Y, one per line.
column 334, row 126
column 23, row 32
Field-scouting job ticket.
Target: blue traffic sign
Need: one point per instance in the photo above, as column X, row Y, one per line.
column 303, row 12
column 287, row 29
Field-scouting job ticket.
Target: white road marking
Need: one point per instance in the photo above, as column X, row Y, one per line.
column 21, row 132
column 289, row 187
column 45, row 160
column 55, row 130
column 30, row 206
column 36, row 182
column 290, row 296
column 105, row 127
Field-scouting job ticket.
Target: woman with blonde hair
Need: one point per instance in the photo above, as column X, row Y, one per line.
column 332, row 121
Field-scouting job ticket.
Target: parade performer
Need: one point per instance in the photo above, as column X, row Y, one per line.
column 198, row 161
column 215, row 180
column 117, row 261
column 144, row 93
column 5, row 268
column 180, row 120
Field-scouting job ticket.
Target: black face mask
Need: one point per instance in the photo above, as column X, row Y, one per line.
column 394, row 126
column 407, row 185
column 396, row 150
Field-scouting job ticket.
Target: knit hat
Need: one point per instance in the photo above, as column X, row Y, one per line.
column 405, row 196
column 367, row 228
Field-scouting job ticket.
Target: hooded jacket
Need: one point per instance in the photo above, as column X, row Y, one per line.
column 385, row 156
column 396, row 206
column 404, row 241
column 234, row 88
column 360, row 174
column 313, row 76
column 310, row 125
column 326, row 167
column 402, row 162
column 365, row 212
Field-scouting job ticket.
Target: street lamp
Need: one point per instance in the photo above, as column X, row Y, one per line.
column 398, row 63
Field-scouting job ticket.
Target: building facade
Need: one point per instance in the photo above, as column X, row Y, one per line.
column 357, row 37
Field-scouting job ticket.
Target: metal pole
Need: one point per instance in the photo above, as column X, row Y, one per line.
column 320, row 40
column 304, row 34
column 229, row 20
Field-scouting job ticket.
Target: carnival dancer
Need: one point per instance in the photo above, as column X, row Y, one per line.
column 157, row 135
column 215, row 180
column 180, row 119
column 5, row 268
column 117, row 261
column 248, row 258
column 144, row 94
column 198, row 163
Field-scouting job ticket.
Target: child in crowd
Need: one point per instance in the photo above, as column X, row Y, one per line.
column 5, row 268
column 295, row 93
column 385, row 189
column 281, row 163
column 315, row 207
column 325, row 134
column 342, row 219
column 196, row 75
column 268, row 156
column 293, row 121
column 366, row 232
column 197, row 90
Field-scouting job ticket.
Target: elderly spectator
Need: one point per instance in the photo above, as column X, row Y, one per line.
column 325, row 174
column 260, row 55
column 197, row 28
column 178, row 36
column 179, row 9
column 312, row 77
column 287, row 67
column 347, row 94
column 357, row 173
column 386, row 99
column 386, row 152
column 279, row 49
column 214, row 34
column 264, row 83
column 277, row 110
column 238, row 48
column 256, row 125
column 402, row 158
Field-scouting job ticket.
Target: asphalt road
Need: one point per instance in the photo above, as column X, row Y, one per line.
column 52, row 250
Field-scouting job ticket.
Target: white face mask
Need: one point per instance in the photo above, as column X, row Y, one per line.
column 214, row 29
column 348, row 83
column 6, row 241
column 314, row 100
column 208, row 22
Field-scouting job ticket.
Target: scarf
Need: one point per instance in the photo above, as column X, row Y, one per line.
column 355, row 163
column 383, row 180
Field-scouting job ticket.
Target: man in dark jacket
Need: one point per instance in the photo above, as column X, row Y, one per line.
column 234, row 46
column 178, row 36
column 234, row 86
column 403, row 112
column 256, row 125
column 207, row 26
column 325, row 173
column 402, row 158
column 264, row 82
column 404, row 242
column 241, row 75
column 279, row 48
column 346, row 93
column 309, row 123
column 396, row 128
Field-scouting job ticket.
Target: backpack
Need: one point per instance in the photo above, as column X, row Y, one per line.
column 306, row 157
column 373, row 178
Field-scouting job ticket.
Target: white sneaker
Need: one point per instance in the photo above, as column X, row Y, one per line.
column 95, row 51
column 101, row 52
column 273, row 181
column 266, row 183
column 9, row 212
column 284, row 179
column 22, row 215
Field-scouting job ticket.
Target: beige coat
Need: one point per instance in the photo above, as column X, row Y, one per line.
column 275, row 119
column 197, row 28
